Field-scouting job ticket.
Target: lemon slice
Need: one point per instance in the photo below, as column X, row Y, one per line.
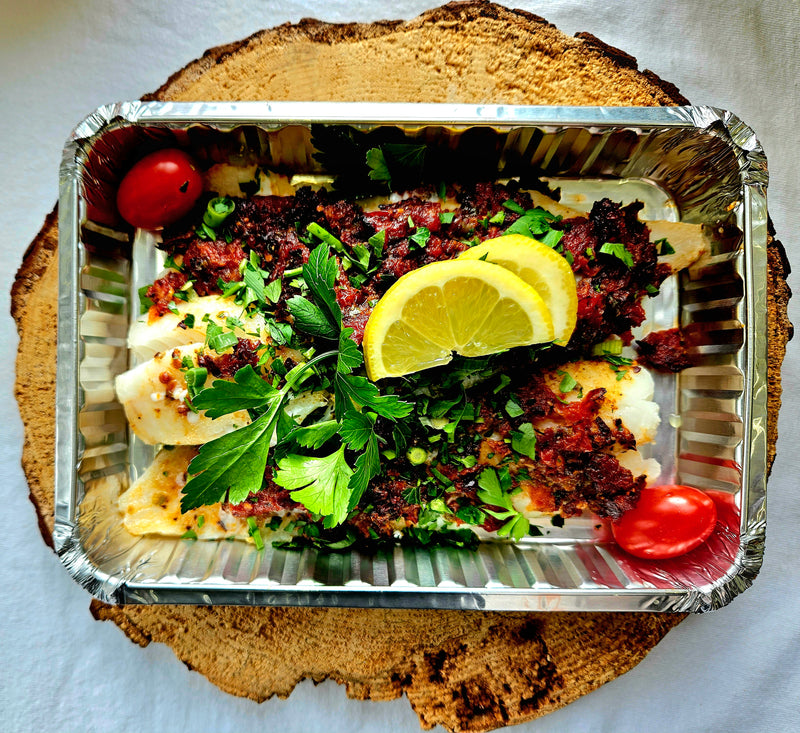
column 539, row 266
column 470, row 307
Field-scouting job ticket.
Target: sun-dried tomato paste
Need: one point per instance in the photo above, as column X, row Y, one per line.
column 609, row 291
column 574, row 468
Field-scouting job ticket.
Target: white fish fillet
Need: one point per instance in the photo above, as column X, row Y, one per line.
column 148, row 336
column 153, row 394
column 629, row 399
column 226, row 180
column 688, row 240
column 152, row 504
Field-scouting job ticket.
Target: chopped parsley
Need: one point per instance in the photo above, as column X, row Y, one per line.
column 255, row 533
column 320, row 484
column 663, row 247
column 377, row 241
column 217, row 338
column 617, row 249
column 513, row 408
column 523, row 441
column 533, row 223
column 144, row 302
column 568, row 382
column 420, row 237
column 619, row 364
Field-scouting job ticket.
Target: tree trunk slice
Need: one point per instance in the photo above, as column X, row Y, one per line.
column 467, row 671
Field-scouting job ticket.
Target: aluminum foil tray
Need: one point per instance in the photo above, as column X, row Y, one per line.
column 696, row 164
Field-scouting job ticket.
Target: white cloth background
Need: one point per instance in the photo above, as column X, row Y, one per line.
column 737, row 669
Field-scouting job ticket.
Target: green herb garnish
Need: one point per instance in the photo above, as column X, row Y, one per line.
column 397, row 164
column 144, row 302
column 513, row 408
column 320, row 484
column 568, row 382
column 493, row 492
column 377, row 241
column 523, row 441
column 617, row 249
column 217, row 211
column 255, row 533
column 663, row 247
column 421, row 236
column 532, row 223
column 513, row 206
column 232, row 467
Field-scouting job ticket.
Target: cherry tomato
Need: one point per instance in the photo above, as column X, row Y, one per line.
column 666, row 522
column 159, row 189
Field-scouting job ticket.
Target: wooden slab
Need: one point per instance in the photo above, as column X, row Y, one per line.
column 466, row 671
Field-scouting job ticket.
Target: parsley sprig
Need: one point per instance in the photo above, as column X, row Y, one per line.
column 232, row 467
column 494, row 492
column 328, row 486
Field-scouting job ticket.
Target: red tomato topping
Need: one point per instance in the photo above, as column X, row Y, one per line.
column 667, row 521
column 160, row 189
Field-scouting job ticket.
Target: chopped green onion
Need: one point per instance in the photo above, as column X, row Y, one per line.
column 323, row 234
column 201, row 520
column 438, row 506
column 417, row 456
column 611, row 347
column 255, row 533
column 441, row 477
column 195, row 379
column 217, row 211
column 222, row 341
column 189, row 534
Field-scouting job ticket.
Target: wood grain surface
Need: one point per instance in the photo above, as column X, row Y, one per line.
column 468, row 671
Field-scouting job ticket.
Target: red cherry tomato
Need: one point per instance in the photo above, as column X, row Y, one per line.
column 160, row 189
column 666, row 522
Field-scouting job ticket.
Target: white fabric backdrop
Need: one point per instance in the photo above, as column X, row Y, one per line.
column 737, row 669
